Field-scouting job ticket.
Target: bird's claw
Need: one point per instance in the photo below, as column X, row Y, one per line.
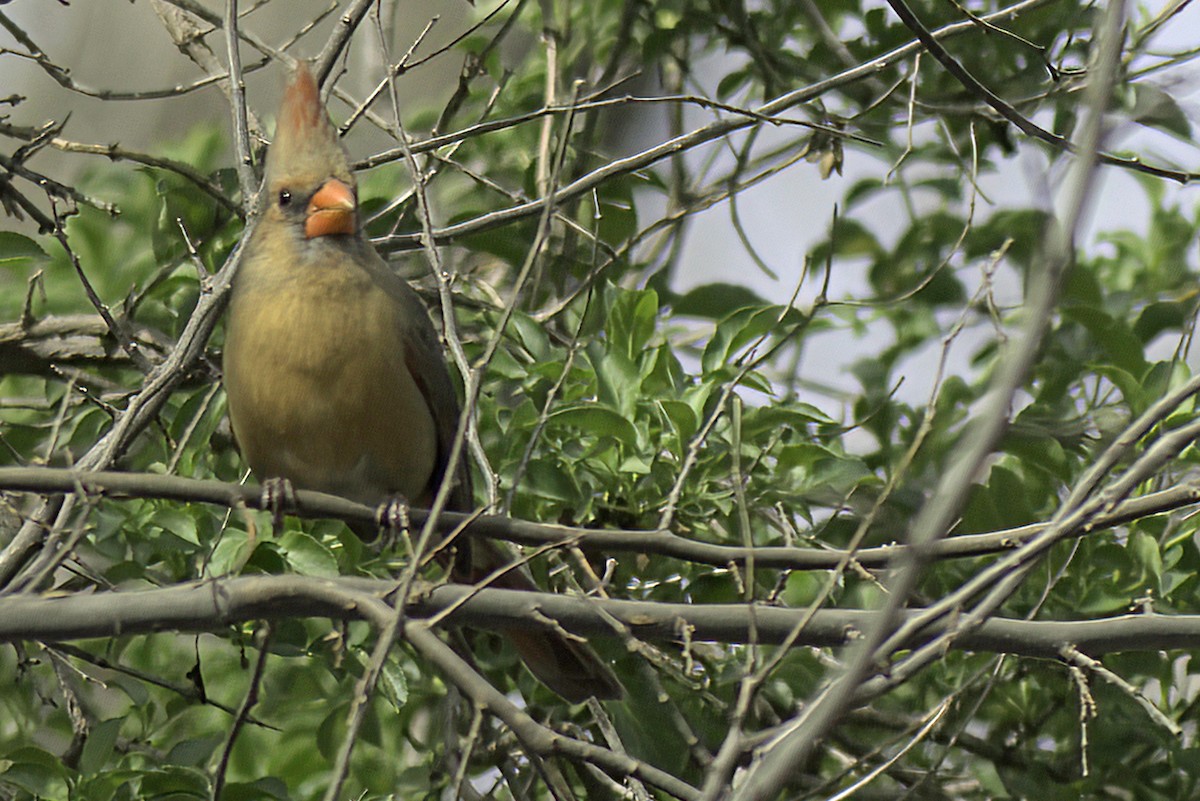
column 278, row 498
column 391, row 517
column 393, row 514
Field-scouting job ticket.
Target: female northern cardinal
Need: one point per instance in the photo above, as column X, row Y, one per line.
column 335, row 377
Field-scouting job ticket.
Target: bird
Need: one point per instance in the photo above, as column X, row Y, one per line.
column 334, row 375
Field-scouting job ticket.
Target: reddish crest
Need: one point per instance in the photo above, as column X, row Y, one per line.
column 301, row 110
column 306, row 145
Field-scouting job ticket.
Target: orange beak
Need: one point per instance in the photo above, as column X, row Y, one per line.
column 332, row 210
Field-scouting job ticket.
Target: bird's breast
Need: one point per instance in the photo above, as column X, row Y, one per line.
column 320, row 393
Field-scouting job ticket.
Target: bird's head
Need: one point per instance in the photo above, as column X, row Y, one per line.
column 308, row 177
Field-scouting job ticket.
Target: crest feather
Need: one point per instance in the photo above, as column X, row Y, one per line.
column 306, row 143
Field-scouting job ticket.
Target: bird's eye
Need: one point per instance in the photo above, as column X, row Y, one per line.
column 285, row 197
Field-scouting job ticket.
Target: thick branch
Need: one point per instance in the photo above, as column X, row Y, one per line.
column 660, row 543
column 76, row 340
column 211, row 605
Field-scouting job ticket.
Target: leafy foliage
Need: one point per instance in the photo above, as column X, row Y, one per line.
column 622, row 395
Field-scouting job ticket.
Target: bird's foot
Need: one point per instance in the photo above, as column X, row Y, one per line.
column 392, row 519
column 278, row 498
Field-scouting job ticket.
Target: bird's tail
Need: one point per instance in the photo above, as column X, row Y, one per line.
column 567, row 666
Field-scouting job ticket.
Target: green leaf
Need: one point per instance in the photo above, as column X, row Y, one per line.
column 1020, row 230
column 267, row 557
column 863, row 190
column 269, row 787
column 133, row 688
column 714, row 588
column 803, row 587
column 551, row 481
column 715, row 301
column 1165, row 315
column 307, row 556
column 531, row 335
column 619, row 380
column 178, row 522
column 176, row 782
column 231, row 553
column 331, row 731
column 597, row 420
column 732, row 82
column 35, row 771
column 194, row 752
column 682, row 417
column 1132, row 389
column 394, row 684
column 98, row 746
column 742, row 328
column 1146, row 554
column 794, row 415
column 19, row 251
column 631, row 321
column 1156, row 109
column 618, row 214
column 1112, row 334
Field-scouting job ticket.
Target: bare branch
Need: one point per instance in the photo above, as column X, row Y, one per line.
column 214, row 604
column 47, row 480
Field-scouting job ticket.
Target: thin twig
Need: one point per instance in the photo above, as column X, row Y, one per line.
column 241, row 131
column 243, row 713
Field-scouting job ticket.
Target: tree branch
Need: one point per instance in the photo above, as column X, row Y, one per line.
column 314, row 505
column 212, row 605
column 76, row 340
